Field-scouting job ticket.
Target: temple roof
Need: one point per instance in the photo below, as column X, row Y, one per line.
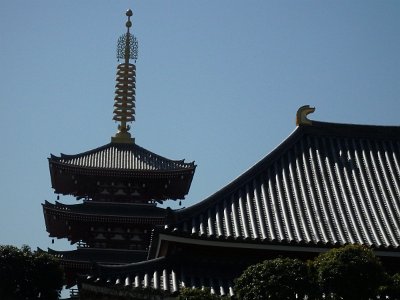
column 165, row 273
column 326, row 184
column 124, row 157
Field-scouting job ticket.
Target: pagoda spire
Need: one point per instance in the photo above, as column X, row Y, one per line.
column 124, row 101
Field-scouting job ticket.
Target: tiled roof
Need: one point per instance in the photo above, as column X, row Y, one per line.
column 164, row 273
column 121, row 157
column 326, row 184
column 121, row 173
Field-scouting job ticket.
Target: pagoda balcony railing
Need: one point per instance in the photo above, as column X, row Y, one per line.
column 74, row 294
column 82, row 244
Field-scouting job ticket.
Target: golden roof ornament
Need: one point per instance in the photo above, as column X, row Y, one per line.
column 301, row 115
column 124, row 100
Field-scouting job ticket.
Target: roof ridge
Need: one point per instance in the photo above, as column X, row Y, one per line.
column 324, row 123
column 359, row 130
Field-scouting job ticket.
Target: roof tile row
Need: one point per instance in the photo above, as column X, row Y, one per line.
column 321, row 189
column 122, row 156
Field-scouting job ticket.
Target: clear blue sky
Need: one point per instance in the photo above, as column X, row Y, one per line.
column 218, row 82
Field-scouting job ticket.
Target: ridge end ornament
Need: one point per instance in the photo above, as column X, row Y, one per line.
column 301, row 115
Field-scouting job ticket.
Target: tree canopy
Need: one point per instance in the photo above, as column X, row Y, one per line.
column 350, row 272
column 29, row 275
column 280, row 278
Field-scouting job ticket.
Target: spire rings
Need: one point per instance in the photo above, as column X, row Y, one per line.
column 124, row 101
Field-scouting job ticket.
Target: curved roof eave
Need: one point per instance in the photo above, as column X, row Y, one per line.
column 131, row 267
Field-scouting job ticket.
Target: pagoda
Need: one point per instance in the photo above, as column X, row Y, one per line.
column 119, row 186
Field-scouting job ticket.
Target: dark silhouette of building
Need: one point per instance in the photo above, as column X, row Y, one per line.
column 120, row 184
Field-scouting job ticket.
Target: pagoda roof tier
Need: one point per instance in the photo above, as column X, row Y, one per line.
column 325, row 185
column 136, row 171
column 106, row 212
column 98, row 255
column 82, row 260
column 68, row 220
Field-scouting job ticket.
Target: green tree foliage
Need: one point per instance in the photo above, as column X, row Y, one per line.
column 352, row 272
column 391, row 287
column 29, row 275
column 280, row 278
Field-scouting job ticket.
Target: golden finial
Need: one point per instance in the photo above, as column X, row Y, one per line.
column 124, row 101
column 301, row 115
